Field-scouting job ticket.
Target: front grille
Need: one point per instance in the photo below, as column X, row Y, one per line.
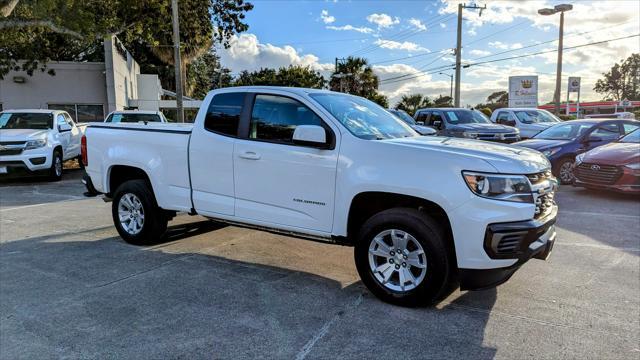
column 538, row 178
column 511, row 136
column 11, row 147
column 597, row 174
column 544, row 204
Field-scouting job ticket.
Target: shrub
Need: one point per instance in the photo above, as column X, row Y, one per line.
column 567, row 117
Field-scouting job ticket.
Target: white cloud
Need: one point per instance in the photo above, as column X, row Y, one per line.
column 247, row 53
column 417, row 24
column 326, row 18
column 395, row 45
column 443, row 25
column 504, row 46
column 476, row 52
column 363, row 29
column 383, row 20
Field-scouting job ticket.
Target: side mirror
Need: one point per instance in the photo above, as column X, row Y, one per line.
column 310, row 135
column 437, row 124
column 424, row 130
column 64, row 127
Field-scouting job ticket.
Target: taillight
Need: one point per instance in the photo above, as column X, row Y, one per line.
column 83, row 149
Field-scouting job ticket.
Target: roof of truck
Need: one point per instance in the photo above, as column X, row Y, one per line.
column 294, row 90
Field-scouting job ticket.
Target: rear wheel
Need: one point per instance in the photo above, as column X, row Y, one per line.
column 402, row 258
column 55, row 171
column 136, row 214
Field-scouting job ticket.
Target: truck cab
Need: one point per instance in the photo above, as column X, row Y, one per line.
column 530, row 121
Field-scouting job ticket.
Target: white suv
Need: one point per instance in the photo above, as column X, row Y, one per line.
column 37, row 140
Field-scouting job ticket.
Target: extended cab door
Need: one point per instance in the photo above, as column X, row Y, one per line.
column 278, row 182
column 64, row 135
column 75, row 137
column 211, row 154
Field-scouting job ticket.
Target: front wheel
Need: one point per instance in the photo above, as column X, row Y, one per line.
column 136, row 214
column 55, row 171
column 402, row 258
column 564, row 171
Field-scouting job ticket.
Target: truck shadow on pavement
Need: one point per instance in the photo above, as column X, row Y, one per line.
column 87, row 296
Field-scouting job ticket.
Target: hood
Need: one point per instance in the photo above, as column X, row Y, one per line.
column 542, row 144
column 21, row 134
column 483, row 128
column 504, row 158
column 616, row 153
column 540, row 126
column 423, row 130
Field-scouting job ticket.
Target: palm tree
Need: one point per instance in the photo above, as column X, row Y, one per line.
column 411, row 103
column 355, row 76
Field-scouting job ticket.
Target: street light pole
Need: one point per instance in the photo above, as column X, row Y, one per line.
column 558, row 9
column 177, row 62
column 451, row 87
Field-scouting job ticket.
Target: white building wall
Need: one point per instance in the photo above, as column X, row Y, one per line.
column 73, row 83
column 121, row 74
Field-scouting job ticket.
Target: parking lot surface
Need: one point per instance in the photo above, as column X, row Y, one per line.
column 70, row 287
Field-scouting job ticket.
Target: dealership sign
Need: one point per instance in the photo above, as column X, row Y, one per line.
column 523, row 91
column 574, row 84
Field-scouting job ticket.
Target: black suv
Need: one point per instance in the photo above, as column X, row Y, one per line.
column 465, row 123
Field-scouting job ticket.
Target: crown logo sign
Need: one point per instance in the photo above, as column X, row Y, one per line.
column 526, row 84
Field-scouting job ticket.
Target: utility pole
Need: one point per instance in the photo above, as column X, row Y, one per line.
column 340, row 75
column 547, row 12
column 459, row 48
column 177, row 62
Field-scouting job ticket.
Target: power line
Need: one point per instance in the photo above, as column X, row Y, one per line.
column 496, row 33
column 550, row 51
column 420, row 70
column 431, row 71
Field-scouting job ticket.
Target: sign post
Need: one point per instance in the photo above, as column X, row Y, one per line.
column 574, row 86
column 523, row 91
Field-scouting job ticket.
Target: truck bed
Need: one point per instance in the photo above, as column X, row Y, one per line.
column 160, row 149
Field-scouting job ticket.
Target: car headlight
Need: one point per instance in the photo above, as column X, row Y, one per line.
column 579, row 159
column 550, row 152
column 515, row 188
column 634, row 166
column 34, row 144
column 470, row 135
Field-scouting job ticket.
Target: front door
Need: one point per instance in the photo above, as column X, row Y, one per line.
column 63, row 135
column 74, row 137
column 278, row 182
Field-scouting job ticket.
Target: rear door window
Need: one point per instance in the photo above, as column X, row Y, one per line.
column 607, row 131
column 133, row 118
column 223, row 114
column 627, row 127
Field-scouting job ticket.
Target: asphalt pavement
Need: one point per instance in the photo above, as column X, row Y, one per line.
column 71, row 288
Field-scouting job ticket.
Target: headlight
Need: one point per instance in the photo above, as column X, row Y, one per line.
column 515, row 188
column 550, row 152
column 470, row 135
column 579, row 159
column 34, row 144
column 634, row 166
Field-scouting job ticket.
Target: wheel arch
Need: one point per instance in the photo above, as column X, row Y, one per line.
column 366, row 204
column 118, row 174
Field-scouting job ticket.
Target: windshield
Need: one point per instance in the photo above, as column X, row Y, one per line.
column 36, row 121
column 133, row 118
column 363, row 118
column 535, row 116
column 632, row 137
column 403, row 116
column 456, row 117
column 563, row 131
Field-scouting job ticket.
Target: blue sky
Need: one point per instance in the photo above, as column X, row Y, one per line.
column 403, row 38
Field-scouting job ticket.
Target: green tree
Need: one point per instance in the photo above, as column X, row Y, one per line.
column 496, row 100
column 355, row 76
column 443, row 101
column 206, row 73
column 622, row 81
column 293, row 76
column 46, row 30
column 411, row 103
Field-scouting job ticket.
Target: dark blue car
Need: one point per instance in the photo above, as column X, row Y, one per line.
column 562, row 142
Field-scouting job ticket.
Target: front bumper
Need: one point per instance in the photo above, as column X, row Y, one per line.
column 520, row 241
column 29, row 160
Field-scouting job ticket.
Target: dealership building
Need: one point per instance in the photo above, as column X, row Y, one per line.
column 90, row 90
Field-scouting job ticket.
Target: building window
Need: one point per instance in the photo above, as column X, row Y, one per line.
column 82, row 113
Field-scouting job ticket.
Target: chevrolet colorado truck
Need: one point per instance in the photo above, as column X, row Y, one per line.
column 423, row 213
column 38, row 141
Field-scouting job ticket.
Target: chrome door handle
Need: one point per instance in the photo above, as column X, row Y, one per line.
column 250, row 155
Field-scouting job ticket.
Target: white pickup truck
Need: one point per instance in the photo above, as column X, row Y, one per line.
column 422, row 213
column 38, row 140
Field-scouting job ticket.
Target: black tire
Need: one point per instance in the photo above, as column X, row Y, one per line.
column 559, row 172
column 55, row 171
column 430, row 236
column 154, row 224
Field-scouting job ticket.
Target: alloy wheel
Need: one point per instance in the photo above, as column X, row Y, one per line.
column 397, row 260
column 131, row 213
column 566, row 172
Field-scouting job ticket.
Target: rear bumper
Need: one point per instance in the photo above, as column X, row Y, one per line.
column 521, row 240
